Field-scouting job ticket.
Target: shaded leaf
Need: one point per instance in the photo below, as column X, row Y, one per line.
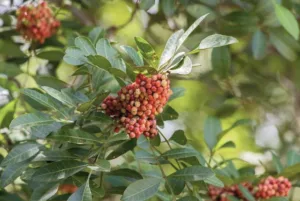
column 180, row 153
column 21, row 153
column 246, row 193
column 146, row 4
column 58, row 170
column 51, row 55
column 43, row 130
column 122, row 149
column 212, row 128
column 214, row 181
column 83, row 193
column 141, row 190
column 188, row 198
column 12, row 171
column 135, row 56
column 168, row 7
column 277, row 163
column 74, row 56
column 259, row 45
column 44, row 192
column 147, row 51
column 32, row 119
column 193, row 173
column 179, row 137
column 85, row 45
column 96, row 33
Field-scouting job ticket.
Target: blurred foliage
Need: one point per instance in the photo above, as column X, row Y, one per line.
column 257, row 78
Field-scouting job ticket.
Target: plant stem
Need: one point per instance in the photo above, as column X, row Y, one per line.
column 162, row 171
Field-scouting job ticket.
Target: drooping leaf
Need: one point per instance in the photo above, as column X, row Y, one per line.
column 51, row 55
column 21, row 153
column 146, row 4
column 212, row 128
column 287, row 20
column 180, row 153
column 44, row 192
column 176, row 185
column 221, row 61
column 141, row 190
column 62, row 97
column 85, row 45
column 229, row 144
column 31, row 119
column 190, row 30
column 179, row 137
column 54, row 156
column 58, row 170
column 193, row 173
column 135, row 56
column 215, row 181
column 125, row 172
column 246, row 193
column 82, row 194
column 170, row 48
column 12, row 171
column 43, row 130
column 122, row 149
column 259, row 45
column 277, row 163
column 74, row 136
column 216, row 40
column 168, row 7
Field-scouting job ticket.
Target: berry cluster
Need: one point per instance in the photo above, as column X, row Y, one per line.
column 273, row 187
column 36, row 22
column 267, row 188
column 221, row 194
column 137, row 104
column 67, row 188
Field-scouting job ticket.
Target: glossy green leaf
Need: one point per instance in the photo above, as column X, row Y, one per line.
column 99, row 62
column 85, row 45
column 58, row 170
column 141, row 190
column 21, row 153
column 180, row 153
column 82, row 194
column 212, row 128
column 259, row 45
column 11, row 172
column 193, row 173
column 216, row 40
column 170, row 48
column 135, row 56
column 287, row 20
column 44, row 193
